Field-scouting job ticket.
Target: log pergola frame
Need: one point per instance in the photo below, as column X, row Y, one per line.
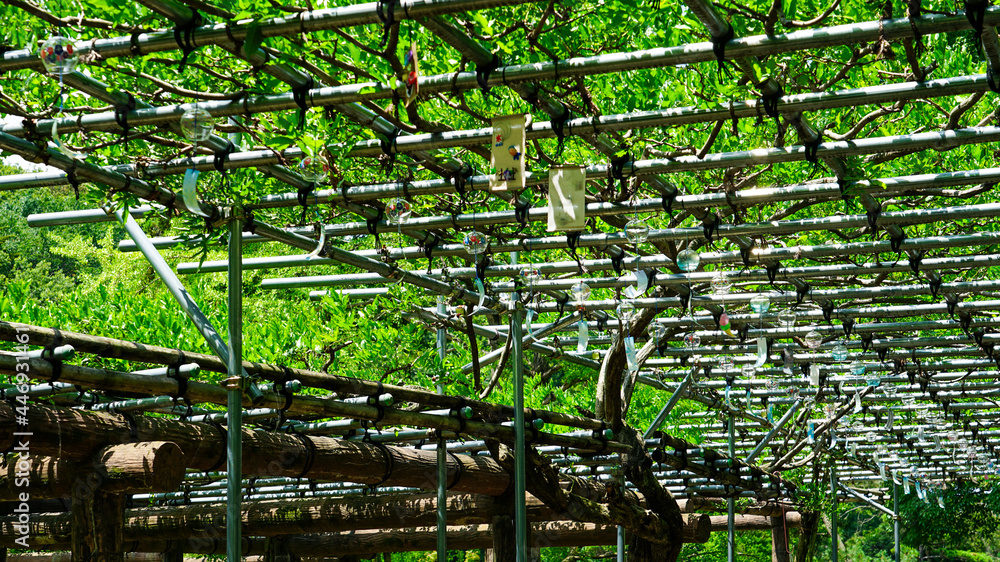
column 512, row 467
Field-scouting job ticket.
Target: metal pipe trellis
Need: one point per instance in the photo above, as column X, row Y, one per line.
column 941, row 373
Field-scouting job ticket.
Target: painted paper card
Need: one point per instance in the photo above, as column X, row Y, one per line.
column 507, row 154
column 412, row 74
column 567, row 201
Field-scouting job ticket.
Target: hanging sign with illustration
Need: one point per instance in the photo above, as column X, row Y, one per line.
column 412, row 74
column 567, row 204
column 506, row 156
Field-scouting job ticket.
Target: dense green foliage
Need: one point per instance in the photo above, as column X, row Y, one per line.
column 75, row 278
column 968, row 521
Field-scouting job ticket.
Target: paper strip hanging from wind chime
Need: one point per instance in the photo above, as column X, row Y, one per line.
column 507, row 154
column 411, row 76
column 567, row 201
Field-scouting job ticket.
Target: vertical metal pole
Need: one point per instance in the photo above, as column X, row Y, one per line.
column 621, row 544
column 895, row 522
column 731, row 502
column 520, row 510
column 520, row 492
column 234, row 453
column 833, row 515
column 442, row 452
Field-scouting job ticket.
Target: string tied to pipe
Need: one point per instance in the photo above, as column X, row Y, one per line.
column 184, row 37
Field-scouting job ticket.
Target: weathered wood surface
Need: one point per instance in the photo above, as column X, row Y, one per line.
column 780, row 539
column 281, row 517
column 368, row 542
column 77, row 435
column 96, row 527
column 381, row 514
column 543, row 535
column 154, row 466
column 753, row 522
column 67, row 557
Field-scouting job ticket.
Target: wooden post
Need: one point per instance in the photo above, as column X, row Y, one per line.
column 503, row 529
column 174, row 554
column 276, row 550
column 779, row 540
column 805, row 547
column 97, row 522
column 97, row 517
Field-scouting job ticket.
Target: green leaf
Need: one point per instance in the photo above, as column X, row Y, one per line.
column 790, row 9
column 253, row 39
column 280, row 142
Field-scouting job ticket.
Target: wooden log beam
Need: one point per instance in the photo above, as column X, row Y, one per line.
column 753, row 522
column 144, row 353
column 78, row 434
column 198, row 392
column 348, row 516
column 271, row 518
column 159, row 549
column 149, row 467
column 469, row 537
column 67, row 557
column 771, row 509
column 460, row 537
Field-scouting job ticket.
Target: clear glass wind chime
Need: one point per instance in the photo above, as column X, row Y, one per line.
column 636, row 232
column 60, row 57
column 475, row 243
column 687, row 260
column 196, row 125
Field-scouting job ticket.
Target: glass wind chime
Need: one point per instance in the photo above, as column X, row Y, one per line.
column 760, row 304
column 196, row 125
column 475, row 243
column 59, row 57
column 636, row 232
column 688, row 260
column 720, row 285
column 530, row 277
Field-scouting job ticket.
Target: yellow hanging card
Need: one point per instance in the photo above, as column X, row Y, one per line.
column 507, row 154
